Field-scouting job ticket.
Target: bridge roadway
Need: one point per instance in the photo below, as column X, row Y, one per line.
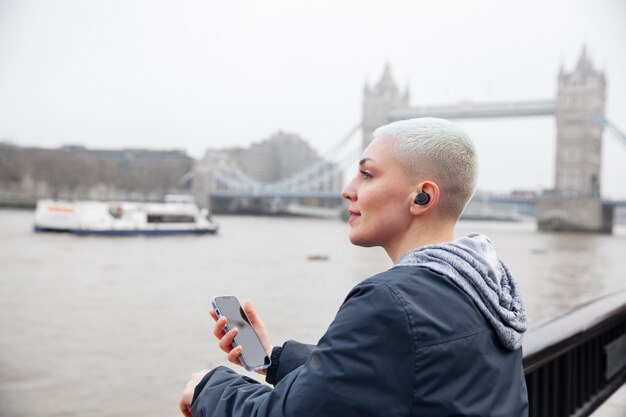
column 528, row 202
column 277, row 194
column 470, row 110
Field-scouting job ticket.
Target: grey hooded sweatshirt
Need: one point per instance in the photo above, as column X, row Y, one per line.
column 471, row 262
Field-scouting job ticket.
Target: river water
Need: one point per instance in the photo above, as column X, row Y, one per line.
column 100, row 326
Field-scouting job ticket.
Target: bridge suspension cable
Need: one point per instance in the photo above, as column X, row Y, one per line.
column 313, row 175
column 320, row 163
column 611, row 127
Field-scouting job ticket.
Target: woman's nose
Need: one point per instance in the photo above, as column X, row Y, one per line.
column 348, row 192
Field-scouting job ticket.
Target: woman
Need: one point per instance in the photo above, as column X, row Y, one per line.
column 438, row 334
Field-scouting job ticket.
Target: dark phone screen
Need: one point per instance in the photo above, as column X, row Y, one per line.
column 253, row 352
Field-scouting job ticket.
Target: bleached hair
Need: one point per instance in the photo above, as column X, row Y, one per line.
column 437, row 150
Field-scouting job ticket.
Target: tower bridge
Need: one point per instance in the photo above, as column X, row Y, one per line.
column 574, row 204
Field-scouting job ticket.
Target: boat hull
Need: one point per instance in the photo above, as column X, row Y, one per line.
column 173, row 232
column 178, row 216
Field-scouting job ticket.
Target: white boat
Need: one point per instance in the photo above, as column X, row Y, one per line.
column 179, row 214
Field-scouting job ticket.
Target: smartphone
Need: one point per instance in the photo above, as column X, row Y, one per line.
column 254, row 357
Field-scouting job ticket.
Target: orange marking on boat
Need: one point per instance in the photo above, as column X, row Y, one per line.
column 60, row 209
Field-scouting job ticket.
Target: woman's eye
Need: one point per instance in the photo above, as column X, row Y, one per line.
column 366, row 175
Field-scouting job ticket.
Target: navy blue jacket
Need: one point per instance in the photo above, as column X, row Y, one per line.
column 405, row 342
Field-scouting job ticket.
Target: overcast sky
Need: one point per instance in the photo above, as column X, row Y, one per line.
column 205, row 74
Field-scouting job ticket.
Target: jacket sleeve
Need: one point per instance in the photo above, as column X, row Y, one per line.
column 287, row 358
column 362, row 366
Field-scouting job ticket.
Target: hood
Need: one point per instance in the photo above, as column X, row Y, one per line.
column 471, row 262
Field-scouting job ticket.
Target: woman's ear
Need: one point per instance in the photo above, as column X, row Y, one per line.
column 424, row 198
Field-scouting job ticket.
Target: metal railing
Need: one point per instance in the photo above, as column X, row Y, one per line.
column 574, row 362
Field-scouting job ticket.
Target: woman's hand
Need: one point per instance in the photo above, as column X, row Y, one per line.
column 187, row 395
column 226, row 339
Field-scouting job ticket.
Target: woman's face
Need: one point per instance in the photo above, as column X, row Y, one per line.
column 380, row 197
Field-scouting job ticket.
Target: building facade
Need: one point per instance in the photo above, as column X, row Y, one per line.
column 277, row 157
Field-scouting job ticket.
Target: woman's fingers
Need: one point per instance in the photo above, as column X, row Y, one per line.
column 218, row 330
column 225, row 342
column 255, row 321
column 226, row 339
column 233, row 355
column 251, row 312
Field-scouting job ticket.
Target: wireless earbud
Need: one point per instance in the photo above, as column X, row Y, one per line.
column 422, row 198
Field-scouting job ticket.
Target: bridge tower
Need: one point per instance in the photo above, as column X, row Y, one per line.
column 579, row 103
column 378, row 101
column 576, row 203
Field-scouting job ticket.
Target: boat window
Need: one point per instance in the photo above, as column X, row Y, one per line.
column 170, row 218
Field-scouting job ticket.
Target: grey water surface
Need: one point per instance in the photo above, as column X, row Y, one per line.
column 111, row 326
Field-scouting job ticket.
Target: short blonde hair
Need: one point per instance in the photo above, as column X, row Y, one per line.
column 437, row 150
